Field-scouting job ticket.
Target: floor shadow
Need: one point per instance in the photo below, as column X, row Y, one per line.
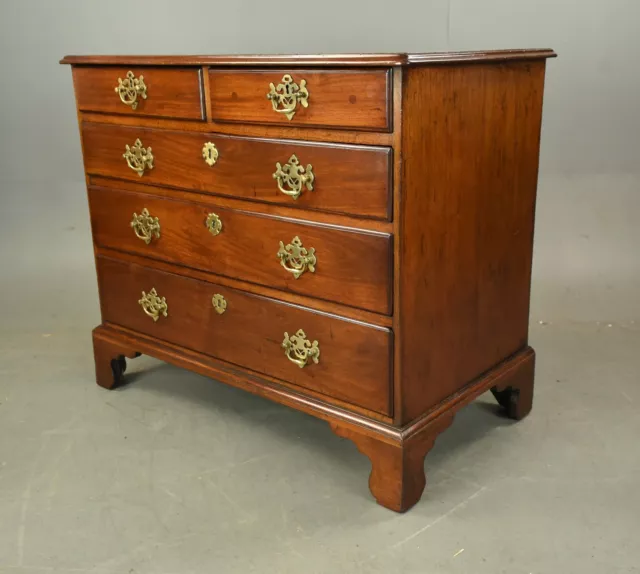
column 471, row 424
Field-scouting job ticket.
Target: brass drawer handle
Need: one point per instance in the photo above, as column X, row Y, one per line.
column 297, row 259
column 299, row 349
column 146, row 227
column 210, row 153
column 130, row 88
column 285, row 97
column 213, row 224
column 219, row 303
column 138, row 158
column 153, row 305
column 292, row 177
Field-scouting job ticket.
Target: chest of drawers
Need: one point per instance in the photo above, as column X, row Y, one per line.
column 348, row 235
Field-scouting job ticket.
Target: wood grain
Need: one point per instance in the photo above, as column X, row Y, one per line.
column 355, row 359
column 242, row 205
column 110, row 360
column 397, row 477
column 353, row 267
column 240, row 60
column 330, row 307
column 171, row 93
column 470, row 141
column 330, row 135
column 515, row 395
column 398, row 82
column 337, row 98
column 348, row 179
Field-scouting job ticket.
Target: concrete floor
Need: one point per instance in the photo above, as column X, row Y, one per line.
column 175, row 473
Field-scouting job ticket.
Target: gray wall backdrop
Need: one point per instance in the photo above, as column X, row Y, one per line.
column 586, row 262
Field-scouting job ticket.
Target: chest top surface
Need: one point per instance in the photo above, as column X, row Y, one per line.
column 359, row 60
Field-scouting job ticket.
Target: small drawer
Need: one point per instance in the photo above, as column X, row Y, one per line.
column 348, row 179
column 347, row 266
column 342, row 359
column 358, row 99
column 160, row 92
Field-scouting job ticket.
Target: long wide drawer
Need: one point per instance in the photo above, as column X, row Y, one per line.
column 160, row 92
column 355, row 99
column 330, row 177
column 333, row 356
column 343, row 265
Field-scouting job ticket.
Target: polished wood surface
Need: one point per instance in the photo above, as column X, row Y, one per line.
column 398, row 82
column 110, row 360
column 353, row 267
column 423, row 235
column 329, row 135
column 171, row 93
column 397, row 477
column 468, row 202
column 257, row 207
column 324, row 60
column 330, row 307
column 348, row 179
column 354, row 363
column 337, row 98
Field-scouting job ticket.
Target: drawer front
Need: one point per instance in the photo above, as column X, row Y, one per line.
column 322, row 98
column 337, row 178
column 160, row 92
column 346, row 266
column 353, row 359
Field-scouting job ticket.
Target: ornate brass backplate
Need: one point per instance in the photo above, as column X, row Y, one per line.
column 300, row 350
column 153, row 305
column 146, row 227
column 297, row 259
column 210, row 153
column 130, row 88
column 138, row 158
column 286, row 96
column 292, row 177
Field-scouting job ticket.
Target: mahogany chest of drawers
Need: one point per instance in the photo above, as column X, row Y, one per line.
column 348, row 235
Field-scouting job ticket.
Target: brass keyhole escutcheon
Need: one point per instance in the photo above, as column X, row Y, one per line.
column 210, row 153
column 214, row 224
column 219, row 303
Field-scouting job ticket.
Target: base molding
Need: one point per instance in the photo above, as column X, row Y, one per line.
column 397, row 454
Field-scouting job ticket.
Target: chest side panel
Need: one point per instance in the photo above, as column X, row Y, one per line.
column 470, row 164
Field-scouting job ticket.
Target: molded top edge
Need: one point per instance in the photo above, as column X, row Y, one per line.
column 400, row 59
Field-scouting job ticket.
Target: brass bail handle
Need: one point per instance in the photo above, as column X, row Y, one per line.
column 296, row 258
column 130, row 88
column 286, row 96
column 146, row 227
column 153, row 305
column 300, row 350
column 292, row 177
column 138, row 157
